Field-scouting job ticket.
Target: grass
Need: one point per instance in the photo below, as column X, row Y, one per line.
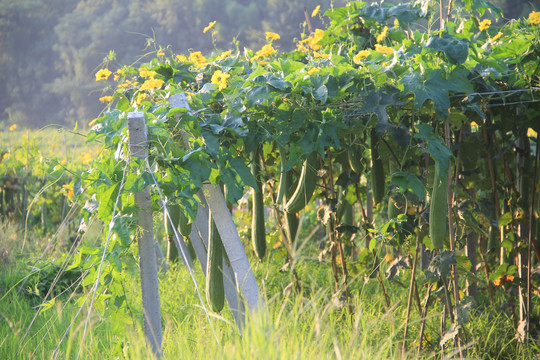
column 56, row 141
column 291, row 325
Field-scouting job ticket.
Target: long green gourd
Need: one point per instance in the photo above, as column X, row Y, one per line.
column 306, row 184
column 258, row 231
column 438, row 209
column 215, row 292
column 174, row 213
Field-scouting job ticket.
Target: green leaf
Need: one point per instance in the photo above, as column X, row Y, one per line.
column 456, row 51
column 107, row 200
column 121, row 228
column 436, row 88
column 505, row 219
column 408, row 181
column 435, row 147
column 320, row 94
column 481, row 6
column 243, row 171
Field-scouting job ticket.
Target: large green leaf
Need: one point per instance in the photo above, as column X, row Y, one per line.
column 436, row 88
column 408, row 181
column 435, row 146
column 456, row 51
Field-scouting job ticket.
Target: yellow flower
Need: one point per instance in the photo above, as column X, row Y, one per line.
column 318, row 55
column 68, row 190
column 151, row 84
column 532, row 133
column 210, row 26
column 484, row 24
column 383, row 34
column 384, row 49
column 126, row 84
column 271, row 36
column 223, row 55
column 105, row 98
column 313, row 70
column 161, row 53
column 103, row 74
column 181, row 58
column 147, row 73
column 198, row 59
column 319, row 34
column 474, row 126
column 13, row 127
column 266, row 50
column 534, row 18
column 219, row 77
column 312, row 41
column 357, row 59
column 496, row 37
column 140, row 98
column 316, row 11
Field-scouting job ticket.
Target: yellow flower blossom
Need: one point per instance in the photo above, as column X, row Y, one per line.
column 105, row 98
column 312, row 41
column 161, row 53
column 319, row 34
column 140, row 98
column 68, row 191
column 198, row 59
column 266, row 50
column 502, row 279
column 147, row 73
column 103, row 74
column 384, row 49
column 383, row 34
column 495, row 38
column 271, row 36
column 534, row 18
column 223, row 55
column 220, row 78
column 313, row 70
column 126, row 84
column 474, row 126
column 484, row 24
column 210, row 26
column 318, row 55
column 532, row 133
column 13, row 127
column 151, row 84
column 316, row 11
column 181, row 58
column 357, row 59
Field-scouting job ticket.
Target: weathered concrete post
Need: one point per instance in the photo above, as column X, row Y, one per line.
column 147, row 256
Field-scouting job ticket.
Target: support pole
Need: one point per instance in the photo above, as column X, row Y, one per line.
column 244, row 279
column 145, row 240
